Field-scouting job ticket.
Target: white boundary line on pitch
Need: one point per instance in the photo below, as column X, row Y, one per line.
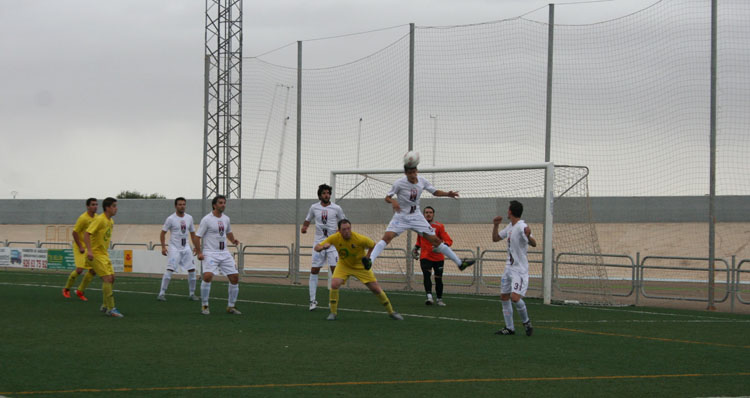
column 536, row 321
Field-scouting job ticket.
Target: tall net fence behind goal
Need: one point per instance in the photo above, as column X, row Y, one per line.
column 579, row 274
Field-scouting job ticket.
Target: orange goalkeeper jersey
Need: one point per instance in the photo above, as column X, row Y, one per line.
column 425, row 246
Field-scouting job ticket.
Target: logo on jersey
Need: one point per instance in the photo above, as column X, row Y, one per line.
column 182, row 227
column 324, row 216
column 221, row 228
column 413, row 194
column 343, row 252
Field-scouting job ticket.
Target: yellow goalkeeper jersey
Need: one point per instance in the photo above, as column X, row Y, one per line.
column 101, row 234
column 352, row 250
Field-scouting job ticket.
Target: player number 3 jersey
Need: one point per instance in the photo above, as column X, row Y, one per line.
column 518, row 245
column 213, row 230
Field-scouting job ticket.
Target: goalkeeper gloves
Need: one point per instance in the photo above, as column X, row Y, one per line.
column 415, row 252
column 367, row 263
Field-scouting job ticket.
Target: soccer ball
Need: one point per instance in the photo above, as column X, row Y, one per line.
column 411, row 159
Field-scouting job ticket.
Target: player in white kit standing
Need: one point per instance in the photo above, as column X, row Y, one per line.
column 515, row 279
column 408, row 216
column 179, row 255
column 215, row 231
column 326, row 216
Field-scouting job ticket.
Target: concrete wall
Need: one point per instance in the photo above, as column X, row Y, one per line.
column 664, row 209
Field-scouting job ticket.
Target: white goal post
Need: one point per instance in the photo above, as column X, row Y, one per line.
column 434, row 173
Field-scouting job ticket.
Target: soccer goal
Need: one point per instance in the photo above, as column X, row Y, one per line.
column 556, row 207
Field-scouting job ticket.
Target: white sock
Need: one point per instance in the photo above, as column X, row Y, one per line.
column 191, row 283
column 508, row 314
column 234, row 291
column 521, row 307
column 377, row 249
column 313, row 285
column 446, row 250
column 165, row 282
column 429, row 296
column 205, row 292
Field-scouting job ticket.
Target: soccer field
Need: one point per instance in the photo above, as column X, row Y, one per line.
column 51, row 346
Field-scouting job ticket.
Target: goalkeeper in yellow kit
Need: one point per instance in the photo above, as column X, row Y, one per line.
column 353, row 262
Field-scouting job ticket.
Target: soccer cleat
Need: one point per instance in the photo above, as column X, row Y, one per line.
column 80, row 295
column 440, row 303
column 529, row 328
column 161, row 297
column 466, row 263
column 66, row 293
column 331, row 317
column 505, row 332
column 115, row 313
column 367, row 262
column 204, row 310
column 233, row 311
column 428, row 301
column 396, row 316
column 313, row 305
column 103, row 308
column 193, row 297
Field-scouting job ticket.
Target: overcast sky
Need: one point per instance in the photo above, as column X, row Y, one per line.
column 102, row 96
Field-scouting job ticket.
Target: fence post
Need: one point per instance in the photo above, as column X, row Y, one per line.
column 638, row 275
column 733, row 284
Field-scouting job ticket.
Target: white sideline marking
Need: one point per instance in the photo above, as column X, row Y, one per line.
column 536, row 321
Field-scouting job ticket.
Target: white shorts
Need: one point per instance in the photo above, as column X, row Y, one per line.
column 219, row 262
column 321, row 258
column 514, row 282
column 178, row 260
column 415, row 222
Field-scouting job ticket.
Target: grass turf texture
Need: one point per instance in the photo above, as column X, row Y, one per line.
column 51, row 345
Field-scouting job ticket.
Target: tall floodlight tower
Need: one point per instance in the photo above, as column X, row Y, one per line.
column 223, row 99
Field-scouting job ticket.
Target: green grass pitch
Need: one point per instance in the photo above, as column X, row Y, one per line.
column 51, row 346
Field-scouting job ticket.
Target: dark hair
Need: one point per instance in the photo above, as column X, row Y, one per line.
column 216, row 199
column 108, row 202
column 407, row 168
column 179, row 199
column 322, row 188
column 516, row 208
column 344, row 221
column 429, row 207
column 89, row 200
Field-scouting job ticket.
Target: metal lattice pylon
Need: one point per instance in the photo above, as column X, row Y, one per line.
column 223, row 99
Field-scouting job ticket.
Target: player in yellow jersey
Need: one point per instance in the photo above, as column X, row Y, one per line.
column 97, row 238
column 351, row 247
column 79, row 252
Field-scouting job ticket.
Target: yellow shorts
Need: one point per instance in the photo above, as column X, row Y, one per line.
column 80, row 258
column 102, row 265
column 344, row 272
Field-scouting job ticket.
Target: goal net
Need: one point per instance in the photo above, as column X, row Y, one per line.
column 556, row 207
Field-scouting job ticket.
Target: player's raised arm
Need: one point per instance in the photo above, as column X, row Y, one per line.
column 450, row 194
column 496, row 229
column 323, row 245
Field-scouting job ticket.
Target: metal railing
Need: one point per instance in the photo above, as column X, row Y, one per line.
column 688, row 282
column 277, row 251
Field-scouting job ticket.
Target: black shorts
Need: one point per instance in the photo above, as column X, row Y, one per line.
column 429, row 265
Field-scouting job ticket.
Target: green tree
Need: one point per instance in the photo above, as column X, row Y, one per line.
column 138, row 195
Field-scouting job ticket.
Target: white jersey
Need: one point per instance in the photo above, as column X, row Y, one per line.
column 518, row 245
column 326, row 219
column 408, row 194
column 213, row 230
column 179, row 230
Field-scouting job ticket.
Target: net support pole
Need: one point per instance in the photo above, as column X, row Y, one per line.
column 549, row 197
column 550, row 52
column 295, row 277
column 409, row 244
column 712, row 183
column 204, row 192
